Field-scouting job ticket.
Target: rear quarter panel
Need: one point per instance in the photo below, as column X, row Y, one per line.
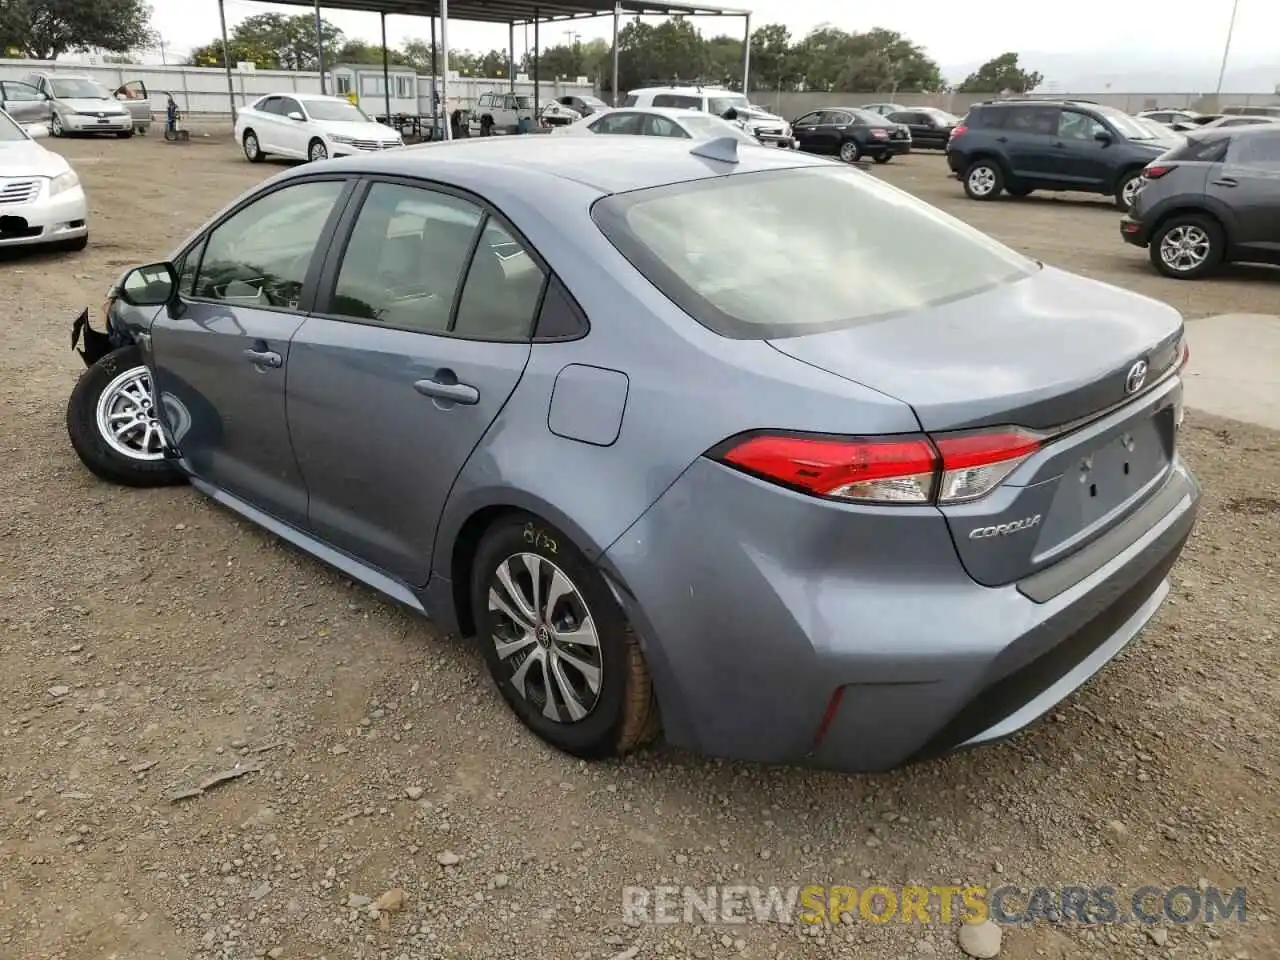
column 689, row 389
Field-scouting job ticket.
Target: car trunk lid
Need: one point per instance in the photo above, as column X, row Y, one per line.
column 1085, row 367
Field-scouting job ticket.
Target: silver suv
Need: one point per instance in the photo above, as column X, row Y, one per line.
column 82, row 105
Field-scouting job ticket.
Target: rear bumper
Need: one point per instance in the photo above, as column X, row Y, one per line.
column 783, row 629
column 1134, row 231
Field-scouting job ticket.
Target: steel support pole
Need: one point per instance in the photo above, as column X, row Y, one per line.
column 537, row 63
column 1226, row 51
column 226, row 62
column 444, row 67
column 746, row 59
column 386, row 68
column 435, row 104
column 320, row 48
column 617, row 22
column 511, row 55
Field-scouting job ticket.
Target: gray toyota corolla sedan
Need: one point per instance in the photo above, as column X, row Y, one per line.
column 737, row 444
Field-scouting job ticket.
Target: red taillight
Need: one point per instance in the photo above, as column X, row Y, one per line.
column 1155, row 171
column 1185, row 358
column 892, row 469
column 907, row 469
column 959, row 130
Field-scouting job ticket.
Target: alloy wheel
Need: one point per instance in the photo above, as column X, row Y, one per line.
column 1130, row 190
column 1185, row 247
column 982, row 180
column 55, row 125
column 849, row 152
column 546, row 636
column 126, row 417
column 250, row 146
column 319, row 152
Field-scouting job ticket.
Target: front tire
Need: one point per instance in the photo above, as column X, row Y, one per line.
column 1188, row 247
column 851, row 151
column 317, row 151
column 557, row 643
column 111, row 421
column 252, row 148
column 56, row 129
column 125, row 135
column 884, row 158
column 983, row 180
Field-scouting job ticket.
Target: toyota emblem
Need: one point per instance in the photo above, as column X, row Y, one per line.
column 1136, row 378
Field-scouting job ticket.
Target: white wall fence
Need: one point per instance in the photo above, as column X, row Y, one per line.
column 203, row 90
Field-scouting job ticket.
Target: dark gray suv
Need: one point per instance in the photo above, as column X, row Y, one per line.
column 1215, row 199
column 1023, row 145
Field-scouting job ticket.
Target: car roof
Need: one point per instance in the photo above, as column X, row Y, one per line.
column 311, row 96
column 687, row 91
column 676, row 113
column 605, row 164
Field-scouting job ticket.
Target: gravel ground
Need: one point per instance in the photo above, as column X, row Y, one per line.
column 152, row 640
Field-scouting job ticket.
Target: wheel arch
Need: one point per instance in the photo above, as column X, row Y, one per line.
column 1201, row 209
column 459, row 538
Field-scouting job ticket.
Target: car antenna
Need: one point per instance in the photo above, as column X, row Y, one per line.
column 723, row 149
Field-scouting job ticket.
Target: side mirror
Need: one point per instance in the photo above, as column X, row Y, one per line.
column 730, row 114
column 295, row 115
column 1102, row 136
column 151, row 286
column 37, row 131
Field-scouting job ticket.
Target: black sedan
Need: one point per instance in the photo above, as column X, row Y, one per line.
column 929, row 126
column 851, row 134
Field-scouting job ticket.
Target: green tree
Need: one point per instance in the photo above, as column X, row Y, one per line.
column 492, row 64
column 1000, row 74
column 878, row 61
column 44, row 29
column 419, row 55
column 775, row 63
column 357, row 51
column 724, row 61
column 667, row 52
column 273, row 41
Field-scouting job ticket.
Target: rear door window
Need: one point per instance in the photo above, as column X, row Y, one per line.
column 1200, row 150
column 1033, row 120
column 1259, row 150
column 619, row 123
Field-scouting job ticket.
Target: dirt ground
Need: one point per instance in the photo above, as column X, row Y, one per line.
column 149, row 640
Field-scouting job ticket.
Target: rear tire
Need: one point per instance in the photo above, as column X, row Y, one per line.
column 538, row 664
column 1188, row 246
column 983, row 180
column 884, row 158
column 88, row 410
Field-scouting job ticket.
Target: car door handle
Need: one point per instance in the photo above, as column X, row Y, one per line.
column 1227, row 182
column 264, row 358
column 445, row 386
column 1002, row 139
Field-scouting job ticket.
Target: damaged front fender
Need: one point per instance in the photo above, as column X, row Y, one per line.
column 97, row 344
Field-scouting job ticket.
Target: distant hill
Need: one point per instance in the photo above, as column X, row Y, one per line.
column 1096, row 73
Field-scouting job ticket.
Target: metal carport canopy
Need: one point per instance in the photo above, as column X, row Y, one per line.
column 510, row 12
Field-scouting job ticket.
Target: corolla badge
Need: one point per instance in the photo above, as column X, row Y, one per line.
column 1004, row 529
column 1136, row 377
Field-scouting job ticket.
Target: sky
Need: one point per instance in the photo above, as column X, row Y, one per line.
column 947, row 29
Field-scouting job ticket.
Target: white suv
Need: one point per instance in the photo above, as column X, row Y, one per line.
column 717, row 101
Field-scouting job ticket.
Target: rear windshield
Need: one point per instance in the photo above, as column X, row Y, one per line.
column 1200, row 149
column 791, row 252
